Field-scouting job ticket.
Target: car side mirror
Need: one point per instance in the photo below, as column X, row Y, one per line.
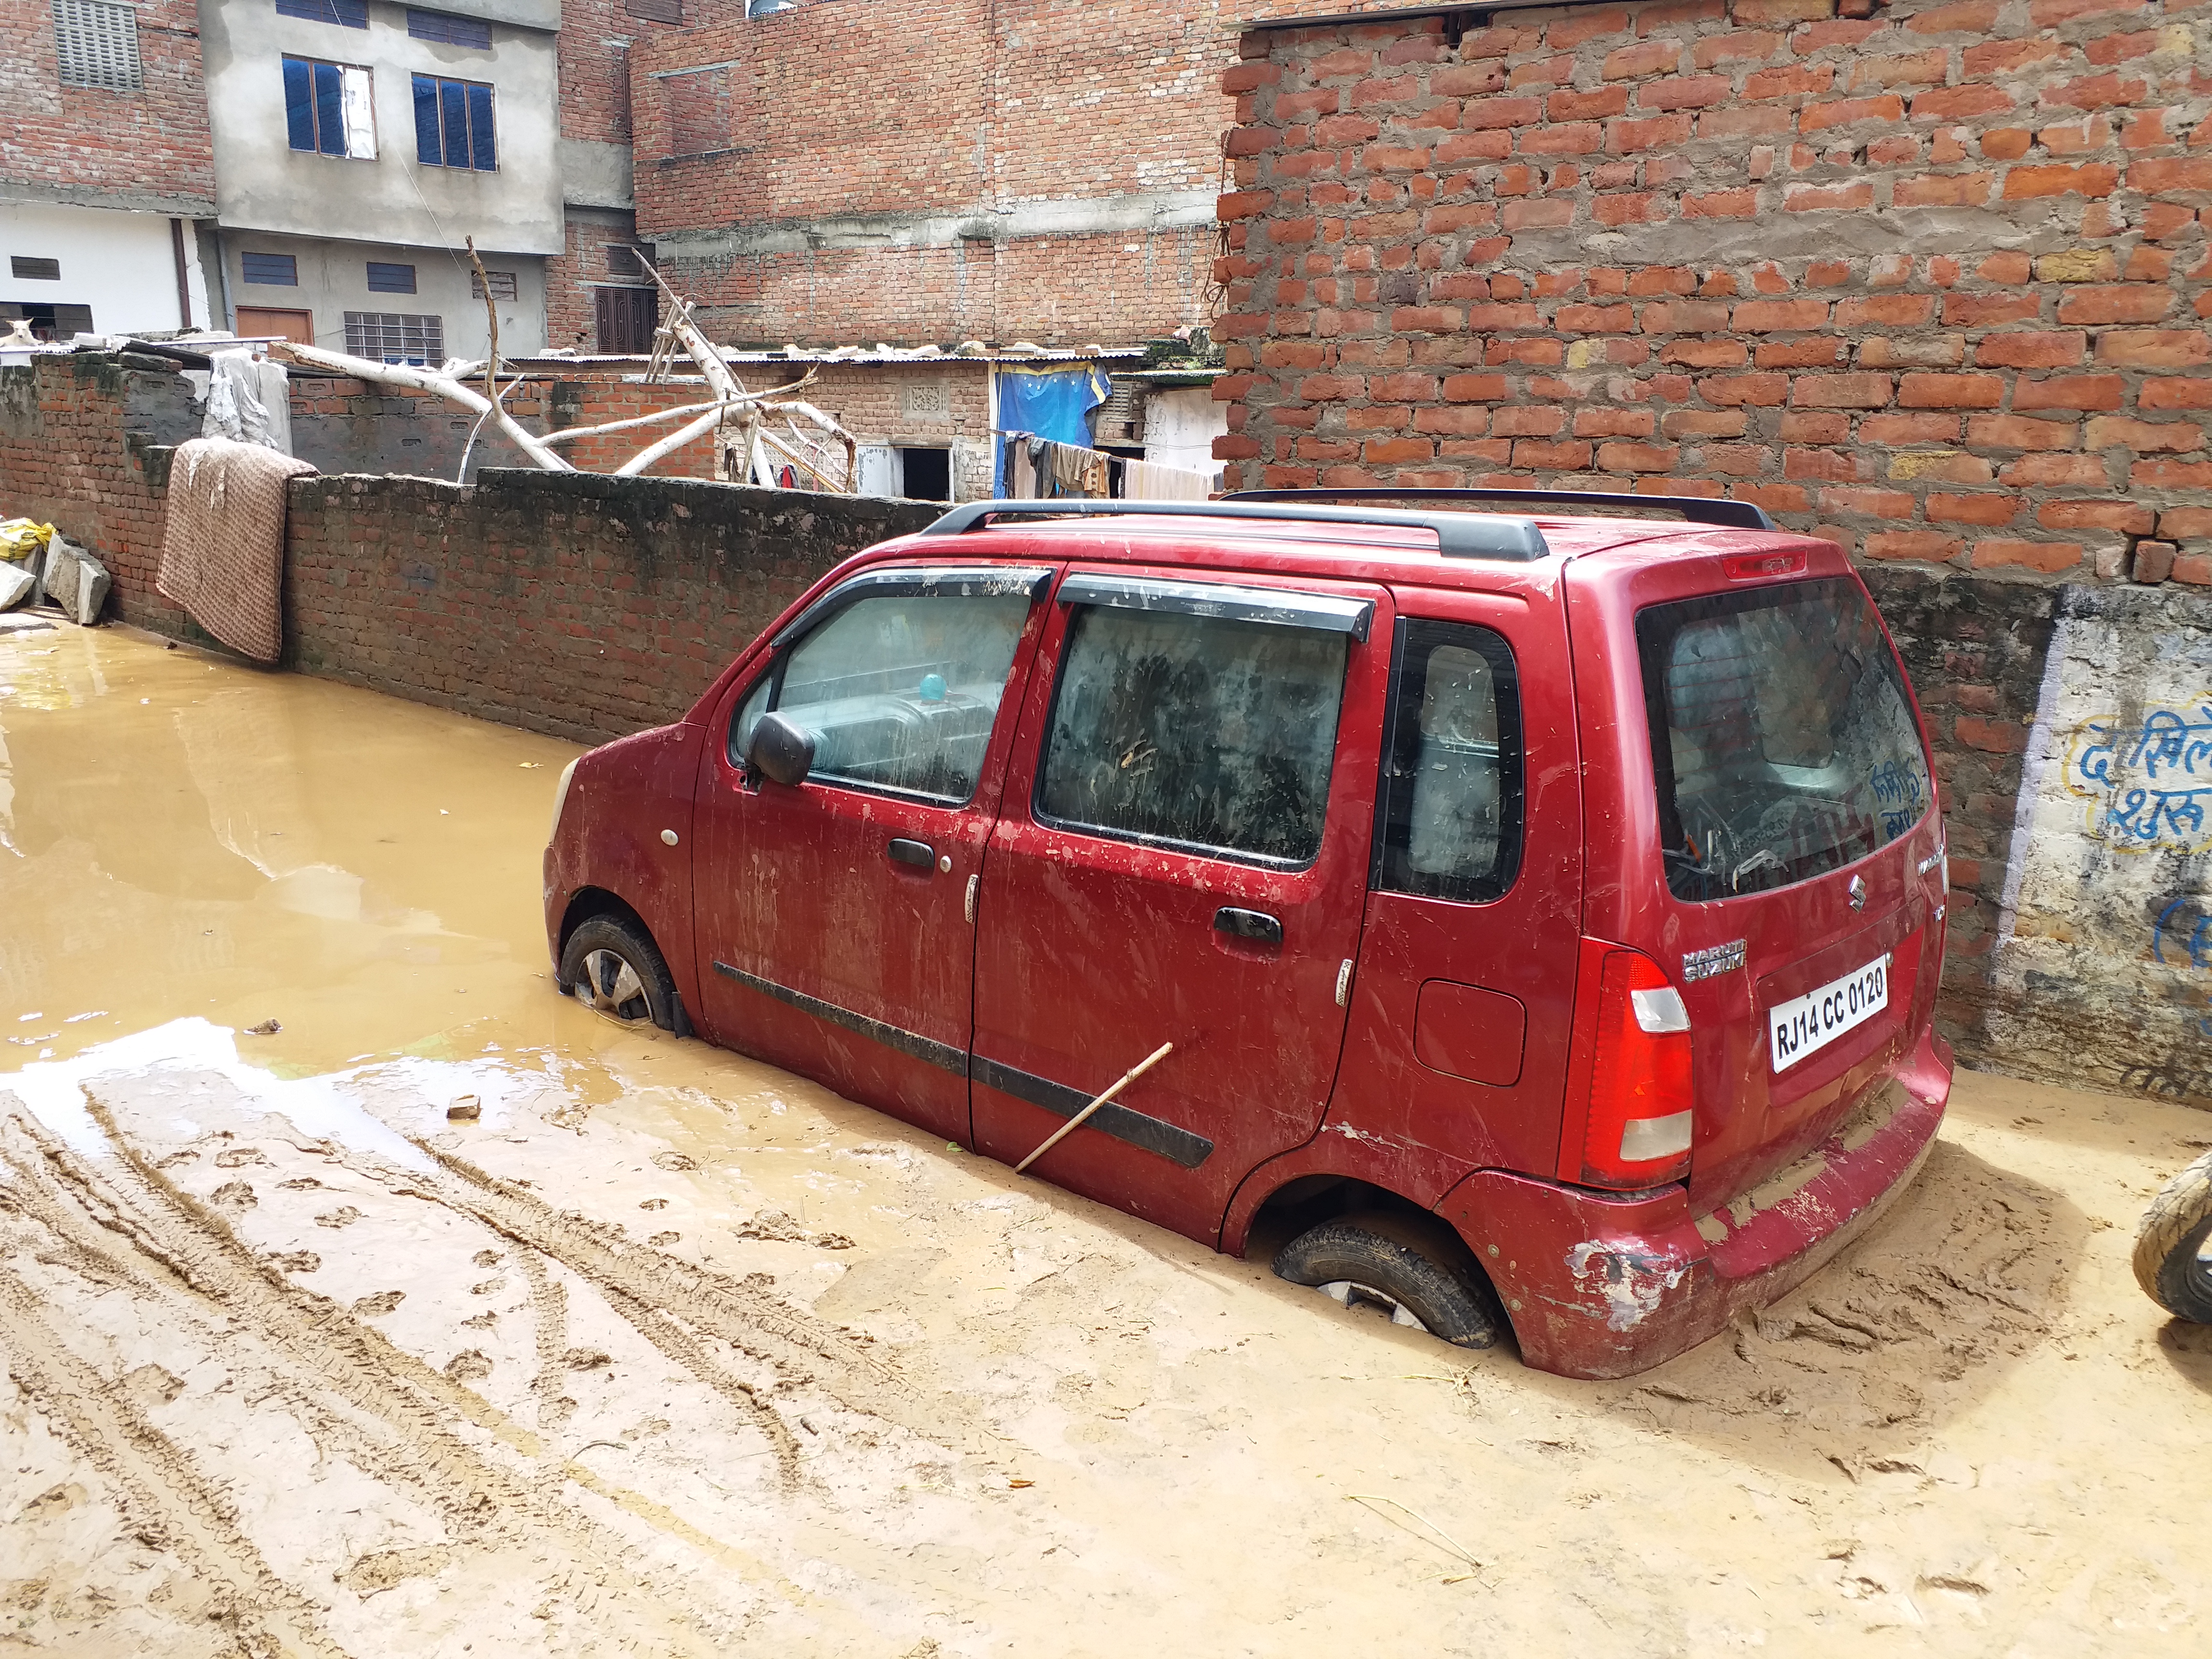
column 780, row 751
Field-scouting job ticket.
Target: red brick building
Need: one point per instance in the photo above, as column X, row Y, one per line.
column 105, row 164
column 1932, row 281
column 596, row 297
column 939, row 170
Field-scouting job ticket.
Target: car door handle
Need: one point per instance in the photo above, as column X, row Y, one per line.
column 1256, row 925
column 919, row 853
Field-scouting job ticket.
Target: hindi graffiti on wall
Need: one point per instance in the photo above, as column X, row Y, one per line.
column 2150, row 785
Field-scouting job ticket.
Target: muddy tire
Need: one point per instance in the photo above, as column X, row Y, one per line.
column 612, row 967
column 2170, row 1261
column 1395, row 1264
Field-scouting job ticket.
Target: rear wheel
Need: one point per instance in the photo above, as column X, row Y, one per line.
column 1383, row 1260
column 2171, row 1260
column 611, row 966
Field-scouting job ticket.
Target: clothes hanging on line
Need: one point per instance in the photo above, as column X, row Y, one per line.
column 1149, row 481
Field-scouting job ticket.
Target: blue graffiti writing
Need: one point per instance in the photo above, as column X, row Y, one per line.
column 2182, row 938
column 2153, row 780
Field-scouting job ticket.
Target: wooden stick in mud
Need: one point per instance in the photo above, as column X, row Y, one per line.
column 1084, row 1117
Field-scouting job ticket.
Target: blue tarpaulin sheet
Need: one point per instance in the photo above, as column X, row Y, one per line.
column 1048, row 402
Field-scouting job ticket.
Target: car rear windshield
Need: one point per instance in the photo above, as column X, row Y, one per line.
column 1783, row 738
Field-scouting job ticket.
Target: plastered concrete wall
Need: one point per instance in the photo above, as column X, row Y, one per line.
column 262, row 183
column 2101, row 970
column 333, row 279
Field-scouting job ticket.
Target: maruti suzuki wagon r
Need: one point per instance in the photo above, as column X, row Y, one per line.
column 1543, row 904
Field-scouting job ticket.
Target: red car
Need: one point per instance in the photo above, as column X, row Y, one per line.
column 1545, row 908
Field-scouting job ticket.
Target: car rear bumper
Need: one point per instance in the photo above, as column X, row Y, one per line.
column 1598, row 1286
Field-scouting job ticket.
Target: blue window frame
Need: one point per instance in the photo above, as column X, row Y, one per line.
column 316, row 97
column 453, row 124
column 390, row 279
column 348, row 13
column 443, row 26
column 270, row 270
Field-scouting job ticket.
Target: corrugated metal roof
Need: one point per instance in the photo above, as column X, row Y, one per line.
column 826, row 358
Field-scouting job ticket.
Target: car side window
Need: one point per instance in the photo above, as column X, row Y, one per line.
column 898, row 690
column 1452, row 794
column 1208, row 733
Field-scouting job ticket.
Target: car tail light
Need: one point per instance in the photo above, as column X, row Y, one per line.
column 1632, row 1066
column 1748, row 566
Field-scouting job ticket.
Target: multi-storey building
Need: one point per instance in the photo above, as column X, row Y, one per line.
column 104, row 167
column 359, row 144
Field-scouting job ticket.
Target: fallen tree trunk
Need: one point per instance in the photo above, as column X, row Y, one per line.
column 421, row 379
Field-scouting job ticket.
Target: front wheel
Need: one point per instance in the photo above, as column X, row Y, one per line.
column 613, row 967
column 1379, row 1260
column 2171, row 1261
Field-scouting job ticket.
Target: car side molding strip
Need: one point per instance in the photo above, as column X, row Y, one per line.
column 928, row 1050
column 1151, row 1135
column 1171, row 1141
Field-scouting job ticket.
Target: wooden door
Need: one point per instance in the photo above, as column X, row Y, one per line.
column 297, row 326
column 627, row 318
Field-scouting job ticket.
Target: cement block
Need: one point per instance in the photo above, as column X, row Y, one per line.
column 75, row 582
column 17, row 584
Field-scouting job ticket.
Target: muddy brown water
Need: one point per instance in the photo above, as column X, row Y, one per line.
column 668, row 1353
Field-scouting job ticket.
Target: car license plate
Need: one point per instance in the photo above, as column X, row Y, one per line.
column 1804, row 1024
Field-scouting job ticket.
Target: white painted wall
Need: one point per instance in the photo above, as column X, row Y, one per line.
column 1180, row 424
column 124, row 265
column 2103, row 968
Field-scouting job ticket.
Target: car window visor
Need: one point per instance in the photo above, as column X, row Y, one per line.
column 974, row 582
column 1324, row 611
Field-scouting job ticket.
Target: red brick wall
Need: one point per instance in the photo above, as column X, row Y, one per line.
column 571, row 309
column 1932, row 283
column 68, row 459
column 584, row 606
column 596, row 37
column 572, row 603
column 959, row 108
column 152, row 143
column 1053, row 290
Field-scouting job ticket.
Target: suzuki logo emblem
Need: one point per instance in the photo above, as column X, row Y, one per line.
column 1857, row 891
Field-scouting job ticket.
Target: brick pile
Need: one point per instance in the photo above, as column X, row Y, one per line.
column 1932, row 283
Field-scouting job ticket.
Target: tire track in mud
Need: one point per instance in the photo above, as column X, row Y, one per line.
column 173, row 1507
column 403, row 1439
column 670, row 1302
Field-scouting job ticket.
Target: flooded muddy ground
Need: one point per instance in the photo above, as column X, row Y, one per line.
column 668, row 1353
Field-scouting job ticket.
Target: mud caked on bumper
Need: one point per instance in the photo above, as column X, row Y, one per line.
column 1598, row 1286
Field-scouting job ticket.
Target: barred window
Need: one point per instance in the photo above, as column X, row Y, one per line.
column 655, row 11
column 97, row 45
column 389, row 337
column 390, row 279
column 29, row 268
column 503, row 285
column 444, row 27
column 346, row 14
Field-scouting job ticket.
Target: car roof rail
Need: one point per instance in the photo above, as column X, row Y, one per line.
column 1694, row 509
column 1459, row 535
